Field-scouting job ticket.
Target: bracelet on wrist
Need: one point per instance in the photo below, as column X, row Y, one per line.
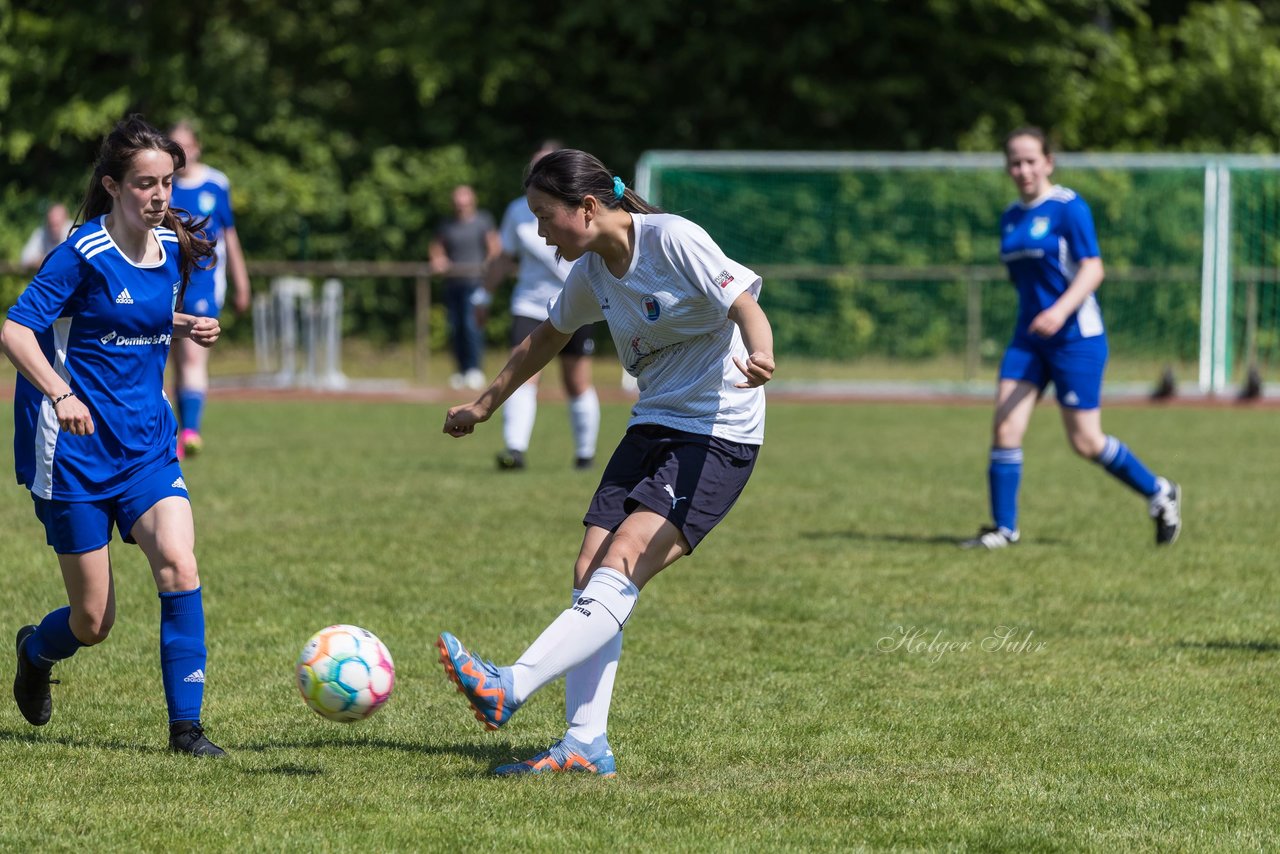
column 62, row 397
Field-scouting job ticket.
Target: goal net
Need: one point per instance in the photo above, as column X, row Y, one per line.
column 884, row 268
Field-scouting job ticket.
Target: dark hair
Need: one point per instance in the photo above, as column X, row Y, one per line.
column 571, row 175
column 129, row 138
column 1033, row 132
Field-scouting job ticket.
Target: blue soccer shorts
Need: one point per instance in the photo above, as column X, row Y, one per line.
column 1075, row 367
column 76, row 527
column 691, row 479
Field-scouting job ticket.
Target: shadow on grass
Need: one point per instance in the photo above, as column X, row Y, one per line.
column 1232, row 645
column 953, row 540
column 27, row 737
column 486, row 757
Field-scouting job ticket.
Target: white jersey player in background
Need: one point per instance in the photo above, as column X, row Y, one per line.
column 539, row 279
column 686, row 324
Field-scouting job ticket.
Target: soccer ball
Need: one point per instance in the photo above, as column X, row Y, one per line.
column 345, row 673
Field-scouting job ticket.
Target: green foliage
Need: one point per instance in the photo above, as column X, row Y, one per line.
column 343, row 126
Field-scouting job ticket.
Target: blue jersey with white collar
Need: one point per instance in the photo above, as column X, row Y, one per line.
column 209, row 197
column 1042, row 244
column 105, row 324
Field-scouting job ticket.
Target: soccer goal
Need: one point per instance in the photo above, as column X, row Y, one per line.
column 883, row 268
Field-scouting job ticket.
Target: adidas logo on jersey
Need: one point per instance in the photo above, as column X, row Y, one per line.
column 178, row 484
column 195, row 676
column 123, row 298
column 1071, row 399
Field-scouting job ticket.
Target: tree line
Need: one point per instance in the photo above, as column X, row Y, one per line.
column 343, row 125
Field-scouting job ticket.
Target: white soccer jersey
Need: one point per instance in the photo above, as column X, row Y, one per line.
column 541, row 274
column 669, row 317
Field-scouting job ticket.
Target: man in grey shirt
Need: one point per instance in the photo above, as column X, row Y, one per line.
column 461, row 248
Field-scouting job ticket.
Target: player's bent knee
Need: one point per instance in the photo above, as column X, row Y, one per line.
column 91, row 629
column 1088, row 447
column 178, row 575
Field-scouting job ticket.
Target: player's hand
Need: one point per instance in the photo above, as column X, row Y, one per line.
column 758, row 369
column 462, row 420
column 242, row 300
column 1047, row 323
column 74, row 417
column 205, row 331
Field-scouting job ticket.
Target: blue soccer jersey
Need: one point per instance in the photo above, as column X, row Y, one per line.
column 209, row 197
column 105, row 324
column 1042, row 244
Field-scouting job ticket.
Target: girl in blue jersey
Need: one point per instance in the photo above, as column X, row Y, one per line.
column 94, row 435
column 1048, row 243
column 686, row 323
column 204, row 193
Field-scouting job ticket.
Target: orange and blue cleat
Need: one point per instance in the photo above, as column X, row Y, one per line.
column 567, row 754
column 486, row 686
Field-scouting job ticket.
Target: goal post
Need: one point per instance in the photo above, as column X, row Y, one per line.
column 884, row 266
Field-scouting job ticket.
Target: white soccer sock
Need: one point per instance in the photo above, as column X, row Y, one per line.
column 578, row 633
column 584, row 416
column 588, row 690
column 518, row 414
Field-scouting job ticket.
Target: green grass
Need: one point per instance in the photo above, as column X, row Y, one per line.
column 756, row 707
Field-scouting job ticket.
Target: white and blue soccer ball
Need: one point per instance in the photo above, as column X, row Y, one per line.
column 345, row 673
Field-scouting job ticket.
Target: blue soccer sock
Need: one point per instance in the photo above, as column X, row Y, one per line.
column 52, row 640
column 182, row 653
column 1004, row 476
column 190, row 409
column 1122, row 463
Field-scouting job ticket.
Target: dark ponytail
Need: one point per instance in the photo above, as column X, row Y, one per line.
column 127, row 139
column 571, row 175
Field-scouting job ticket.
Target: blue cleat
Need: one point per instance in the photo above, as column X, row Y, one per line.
column 567, row 754
column 486, row 686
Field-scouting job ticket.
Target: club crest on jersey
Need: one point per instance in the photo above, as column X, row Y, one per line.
column 724, row 279
column 206, row 201
column 652, row 310
column 1039, row 227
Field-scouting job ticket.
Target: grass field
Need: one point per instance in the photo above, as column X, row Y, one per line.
column 818, row 676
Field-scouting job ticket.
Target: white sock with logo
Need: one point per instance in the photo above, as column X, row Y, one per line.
column 578, row 633
column 588, row 690
column 518, row 414
column 584, row 416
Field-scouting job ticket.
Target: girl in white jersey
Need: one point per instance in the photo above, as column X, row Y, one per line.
column 686, row 323
column 540, row 278
column 94, row 435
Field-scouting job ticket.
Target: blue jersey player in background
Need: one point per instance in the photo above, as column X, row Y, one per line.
column 1048, row 243
column 204, row 193
column 93, row 432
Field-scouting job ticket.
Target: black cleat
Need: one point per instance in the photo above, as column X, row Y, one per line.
column 31, row 684
column 510, row 460
column 1166, row 511
column 189, row 737
column 584, row 463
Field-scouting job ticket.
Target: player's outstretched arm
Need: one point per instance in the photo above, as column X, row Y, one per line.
column 757, row 335
column 529, row 356
column 202, row 330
